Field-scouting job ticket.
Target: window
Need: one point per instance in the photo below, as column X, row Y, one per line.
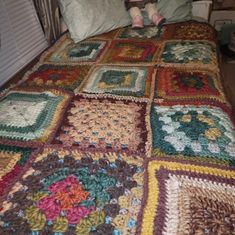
column 21, row 36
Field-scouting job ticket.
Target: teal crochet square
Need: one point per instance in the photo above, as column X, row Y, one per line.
column 193, row 131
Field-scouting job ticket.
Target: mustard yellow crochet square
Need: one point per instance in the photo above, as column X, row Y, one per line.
column 106, row 124
column 184, row 198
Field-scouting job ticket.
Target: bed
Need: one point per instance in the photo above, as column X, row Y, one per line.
column 126, row 132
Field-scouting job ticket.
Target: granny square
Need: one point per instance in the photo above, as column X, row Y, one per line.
column 117, row 80
column 31, row 117
column 66, row 77
column 131, row 51
column 184, row 84
column 194, row 131
column 105, row 124
column 65, row 51
column 189, row 53
column 147, row 32
column 71, row 192
column 13, row 160
column 184, row 198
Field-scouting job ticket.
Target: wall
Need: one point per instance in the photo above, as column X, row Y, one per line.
column 224, row 4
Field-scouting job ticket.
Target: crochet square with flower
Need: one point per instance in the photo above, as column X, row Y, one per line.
column 188, row 199
column 76, row 193
column 120, row 80
column 30, row 117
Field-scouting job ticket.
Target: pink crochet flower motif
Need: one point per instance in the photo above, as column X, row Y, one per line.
column 66, row 196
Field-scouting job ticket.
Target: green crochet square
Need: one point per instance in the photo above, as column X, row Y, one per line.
column 120, row 80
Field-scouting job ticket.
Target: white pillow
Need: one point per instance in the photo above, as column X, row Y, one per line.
column 86, row 18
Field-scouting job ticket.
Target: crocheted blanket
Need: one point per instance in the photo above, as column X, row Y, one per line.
column 128, row 132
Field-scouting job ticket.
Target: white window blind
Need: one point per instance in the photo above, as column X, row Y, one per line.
column 21, row 36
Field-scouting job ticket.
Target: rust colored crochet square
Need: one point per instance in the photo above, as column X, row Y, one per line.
column 188, row 84
column 62, row 76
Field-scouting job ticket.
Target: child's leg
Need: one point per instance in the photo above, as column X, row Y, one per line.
column 137, row 18
column 153, row 14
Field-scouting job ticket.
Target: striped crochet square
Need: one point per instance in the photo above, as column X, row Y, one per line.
column 71, row 192
column 61, row 76
column 184, row 198
column 117, row 80
column 188, row 84
column 131, row 51
column 65, row 51
column 193, row 131
column 30, row 117
column 105, row 124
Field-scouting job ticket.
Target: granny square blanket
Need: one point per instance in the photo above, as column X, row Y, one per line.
column 128, row 132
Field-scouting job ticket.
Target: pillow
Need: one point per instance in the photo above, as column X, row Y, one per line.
column 175, row 10
column 172, row 10
column 86, row 18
